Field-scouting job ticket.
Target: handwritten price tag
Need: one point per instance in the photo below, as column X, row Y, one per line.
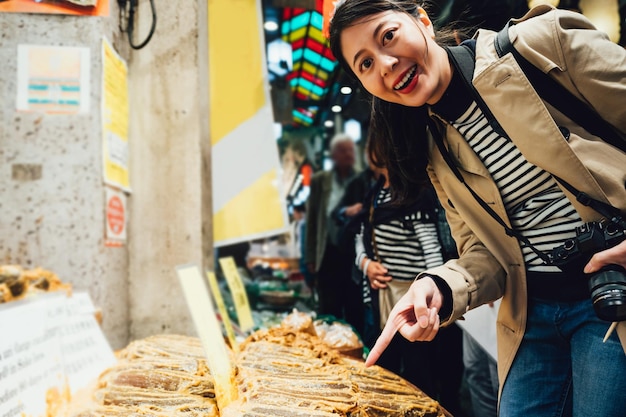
column 238, row 291
column 221, row 307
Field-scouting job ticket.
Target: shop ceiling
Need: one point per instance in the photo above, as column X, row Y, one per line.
column 307, row 84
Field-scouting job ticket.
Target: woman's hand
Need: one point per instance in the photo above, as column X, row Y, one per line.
column 414, row 316
column 377, row 275
column 615, row 255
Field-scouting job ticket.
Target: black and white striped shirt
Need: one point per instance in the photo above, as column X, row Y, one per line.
column 405, row 246
column 535, row 204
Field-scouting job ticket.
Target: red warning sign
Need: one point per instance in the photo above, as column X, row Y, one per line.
column 115, row 215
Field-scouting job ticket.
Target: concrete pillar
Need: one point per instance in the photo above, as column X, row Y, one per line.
column 170, row 157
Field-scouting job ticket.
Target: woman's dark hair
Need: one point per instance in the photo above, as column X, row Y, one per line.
column 398, row 134
column 399, row 142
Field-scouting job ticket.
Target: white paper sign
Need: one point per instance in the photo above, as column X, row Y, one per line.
column 48, row 342
column 53, row 79
column 210, row 333
column 85, row 350
column 480, row 323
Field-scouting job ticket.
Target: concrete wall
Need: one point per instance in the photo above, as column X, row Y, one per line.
column 51, row 214
column 56, row 219
column 170, row 214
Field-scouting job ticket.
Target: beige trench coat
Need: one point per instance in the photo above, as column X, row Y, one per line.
column 491, row 264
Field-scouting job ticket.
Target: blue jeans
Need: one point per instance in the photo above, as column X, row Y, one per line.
column 562, row 368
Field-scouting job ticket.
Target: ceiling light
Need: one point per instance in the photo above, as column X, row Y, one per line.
column 329, row 123
column 270, row 26
column 353, row 129
column 345, row 90
column 336, row 108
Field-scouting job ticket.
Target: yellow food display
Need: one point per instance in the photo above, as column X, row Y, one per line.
column 280, row 372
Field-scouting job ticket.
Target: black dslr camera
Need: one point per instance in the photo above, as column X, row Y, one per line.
column 608, row 285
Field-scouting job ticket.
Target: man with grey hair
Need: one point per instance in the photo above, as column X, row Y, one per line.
column 323, row 255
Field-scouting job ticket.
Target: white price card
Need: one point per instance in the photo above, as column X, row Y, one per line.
column 208, row 328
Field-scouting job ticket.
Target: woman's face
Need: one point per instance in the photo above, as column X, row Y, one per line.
column 396, row 58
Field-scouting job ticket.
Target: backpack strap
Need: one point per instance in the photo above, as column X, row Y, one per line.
column 558, row 96
column 451, row 164
column 463, row 57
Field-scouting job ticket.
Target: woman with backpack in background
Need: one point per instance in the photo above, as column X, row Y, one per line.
column 533, row 199
column 393, row 245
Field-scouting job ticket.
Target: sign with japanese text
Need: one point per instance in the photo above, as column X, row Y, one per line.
column 50, row 343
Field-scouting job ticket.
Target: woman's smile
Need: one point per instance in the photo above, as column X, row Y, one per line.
column 407, row 81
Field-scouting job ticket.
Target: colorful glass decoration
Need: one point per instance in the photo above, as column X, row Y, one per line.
column 313, row 63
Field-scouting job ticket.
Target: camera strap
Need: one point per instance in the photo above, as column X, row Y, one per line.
column 508, row 230
column 463, row 58
column 610, row 212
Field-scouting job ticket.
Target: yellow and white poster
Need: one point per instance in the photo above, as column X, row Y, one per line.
column 114, row 118
column 247, row 202
column 53, row 79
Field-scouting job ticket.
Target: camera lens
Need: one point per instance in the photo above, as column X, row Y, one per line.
column 568, row 245
column 608, row 293
column 611, row 229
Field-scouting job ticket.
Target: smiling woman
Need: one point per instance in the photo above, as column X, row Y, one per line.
column 502, row 151
column 400, row 62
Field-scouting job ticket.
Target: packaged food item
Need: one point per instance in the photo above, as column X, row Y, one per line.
column 282, row 371
column 17, row 282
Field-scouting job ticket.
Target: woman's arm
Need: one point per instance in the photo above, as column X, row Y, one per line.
column 475, row 278
column 442, row 294
column 375, row 272
column 596, row 66
column 359, row 249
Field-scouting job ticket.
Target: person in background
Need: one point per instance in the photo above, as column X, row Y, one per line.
column 481, row 375
column 299, row 233
column 300, row 186
column 323, row 255
column 347, row 215
column 397, row 242
column 518, row 180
